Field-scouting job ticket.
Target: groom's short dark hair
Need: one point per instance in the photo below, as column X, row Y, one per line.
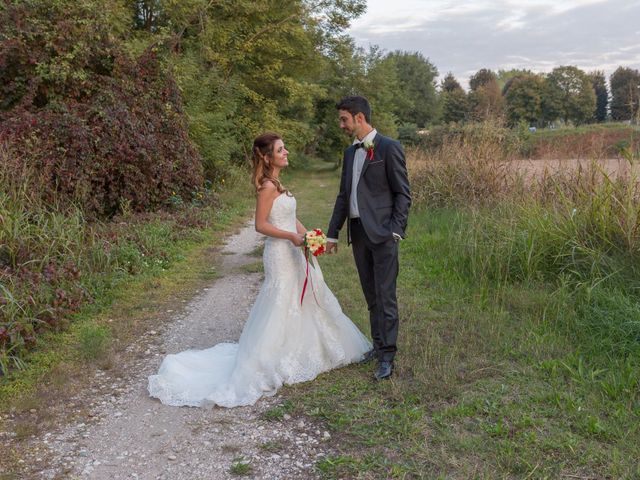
column 356, row 104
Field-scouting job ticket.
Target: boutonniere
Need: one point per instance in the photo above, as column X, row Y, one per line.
column 369, row 146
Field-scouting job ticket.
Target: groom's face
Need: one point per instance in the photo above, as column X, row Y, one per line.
column 347, row 122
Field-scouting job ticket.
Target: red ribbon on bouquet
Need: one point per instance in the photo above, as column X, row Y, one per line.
column 314, row 244
column 306, row 278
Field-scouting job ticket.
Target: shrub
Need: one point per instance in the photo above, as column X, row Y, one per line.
column 486, row 133
column 96, row 127
column 408, row 134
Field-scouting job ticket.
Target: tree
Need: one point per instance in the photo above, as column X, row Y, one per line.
column 570, row 95
column 352, row 71
column 625, row 93
column 416, row 80
column 380, row 86
column 148, row 15
column 450, row 84
column 100, row 128
column 455, row 104
column 481, row 78
column 599, row 84
column 485, row 98
column 524, row 97
column 505, row 77
column 248, row 66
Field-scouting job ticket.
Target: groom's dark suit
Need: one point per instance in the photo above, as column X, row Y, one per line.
column 383, row 200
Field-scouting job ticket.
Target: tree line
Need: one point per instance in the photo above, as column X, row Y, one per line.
column 224, row 69
column 108, row 96
column 567, row 94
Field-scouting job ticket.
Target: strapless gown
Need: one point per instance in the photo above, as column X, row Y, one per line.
column 283, row 341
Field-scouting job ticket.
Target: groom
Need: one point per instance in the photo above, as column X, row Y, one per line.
column 374, row 199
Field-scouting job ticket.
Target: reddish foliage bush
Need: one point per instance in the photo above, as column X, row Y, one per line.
column 97, row 127
column 127, row 143
column 80, row 123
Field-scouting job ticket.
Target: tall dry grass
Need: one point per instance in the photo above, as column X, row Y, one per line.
column 576, row 231
column 469, row 169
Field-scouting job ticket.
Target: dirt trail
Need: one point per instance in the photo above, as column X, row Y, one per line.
column 129, row 435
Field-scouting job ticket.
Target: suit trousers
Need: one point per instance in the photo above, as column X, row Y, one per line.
column 377, row 265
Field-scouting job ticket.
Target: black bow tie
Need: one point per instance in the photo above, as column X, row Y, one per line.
column 359, row 145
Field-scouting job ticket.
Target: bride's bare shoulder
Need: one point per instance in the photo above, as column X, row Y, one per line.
column 268, row 186
column 268, row 190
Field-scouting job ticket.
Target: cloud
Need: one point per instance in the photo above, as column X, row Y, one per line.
column 463, row 37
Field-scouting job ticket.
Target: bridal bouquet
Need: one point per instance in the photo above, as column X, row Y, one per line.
column 315, row 244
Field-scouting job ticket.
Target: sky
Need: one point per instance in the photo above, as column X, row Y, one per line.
column 464, row 36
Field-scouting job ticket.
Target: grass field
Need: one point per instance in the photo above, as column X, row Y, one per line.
column 519, row 353
column 494, row 377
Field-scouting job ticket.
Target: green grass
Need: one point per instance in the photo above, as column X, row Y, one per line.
column 253, row 267
column 277, row 412
column 496, row 377
column 240, row 467
column 159, row 268
column 518, row 372
column 594, row 127
column 93, row 340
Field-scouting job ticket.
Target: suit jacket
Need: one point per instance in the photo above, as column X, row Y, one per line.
column 383, row 192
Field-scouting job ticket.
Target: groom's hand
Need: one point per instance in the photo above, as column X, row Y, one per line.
column 332, row 247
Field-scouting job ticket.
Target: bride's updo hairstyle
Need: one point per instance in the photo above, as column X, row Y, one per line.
column 262, row 156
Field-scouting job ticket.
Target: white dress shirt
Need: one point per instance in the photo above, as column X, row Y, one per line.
column 358, row 162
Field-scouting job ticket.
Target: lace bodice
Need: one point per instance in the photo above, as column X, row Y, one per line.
column 283, row 213
column 283, row 261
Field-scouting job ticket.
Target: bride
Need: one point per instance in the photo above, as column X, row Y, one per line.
column 284, row 341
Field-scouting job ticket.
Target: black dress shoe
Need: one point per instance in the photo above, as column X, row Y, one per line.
column 368, row 357
column 385, row 370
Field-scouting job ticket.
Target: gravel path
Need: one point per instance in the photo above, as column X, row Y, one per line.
column 129, row 435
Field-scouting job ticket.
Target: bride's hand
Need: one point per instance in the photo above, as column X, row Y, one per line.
column 297, row 239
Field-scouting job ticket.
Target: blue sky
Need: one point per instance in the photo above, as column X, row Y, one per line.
column 464, row 36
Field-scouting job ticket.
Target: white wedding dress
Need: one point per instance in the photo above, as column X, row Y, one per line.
column 283, row 342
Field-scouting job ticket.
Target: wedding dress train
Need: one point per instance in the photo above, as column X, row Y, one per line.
column 283, row 342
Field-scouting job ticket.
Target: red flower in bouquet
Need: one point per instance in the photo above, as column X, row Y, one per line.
column 315, row 242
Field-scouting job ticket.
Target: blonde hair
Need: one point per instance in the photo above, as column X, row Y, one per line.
column 262, row 169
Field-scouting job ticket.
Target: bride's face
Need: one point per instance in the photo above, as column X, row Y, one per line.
column 280, row 155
